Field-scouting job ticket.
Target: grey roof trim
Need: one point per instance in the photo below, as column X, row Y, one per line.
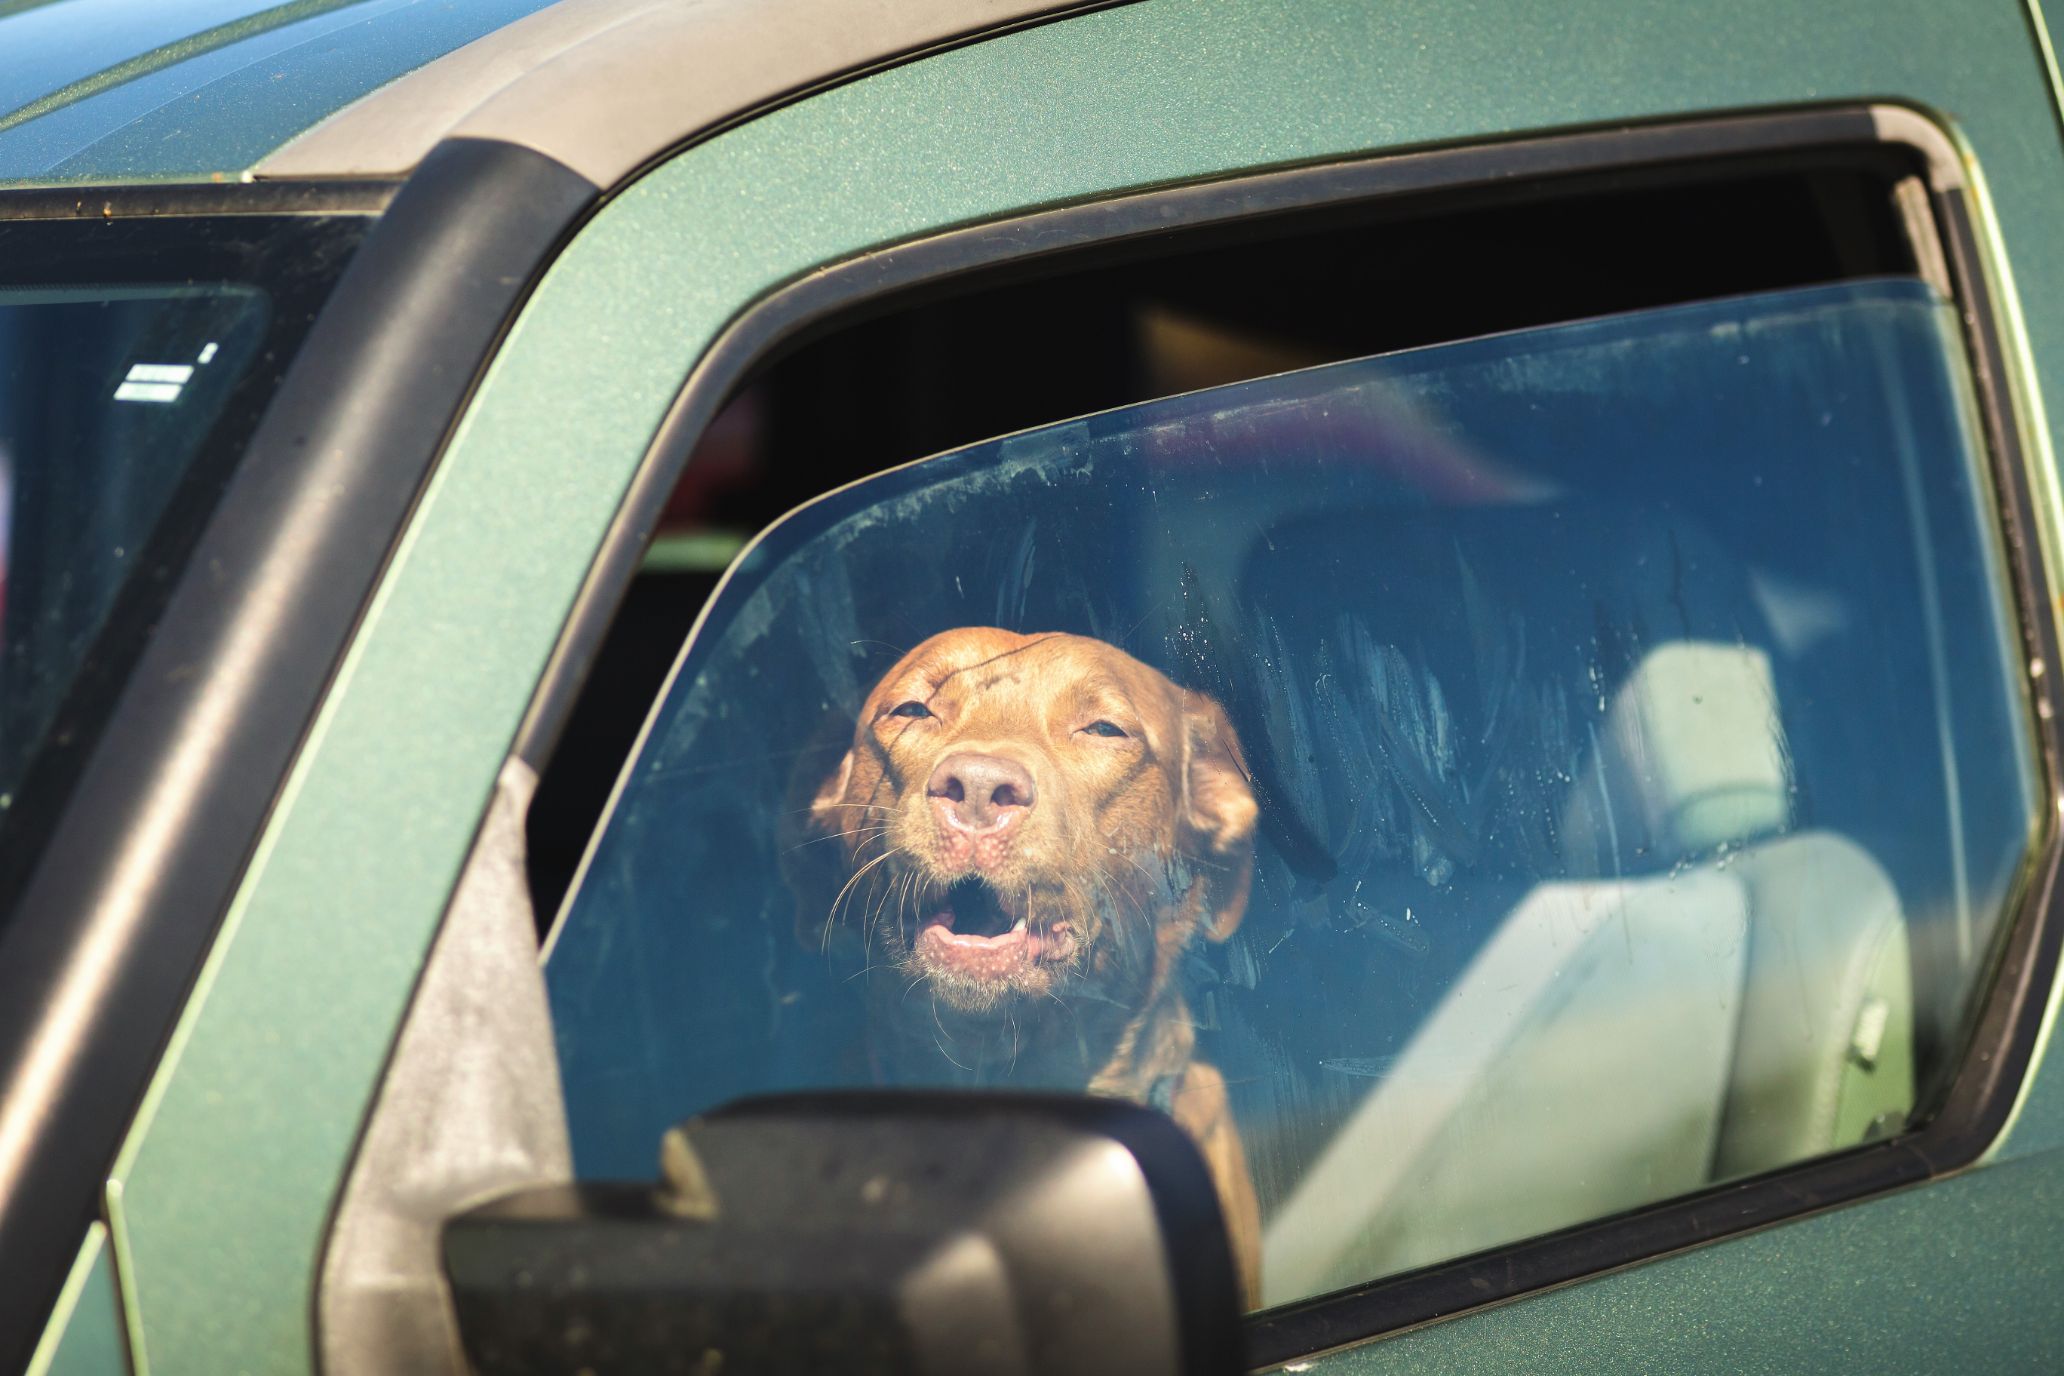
column 604, row 86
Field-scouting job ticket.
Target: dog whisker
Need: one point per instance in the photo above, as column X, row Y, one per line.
column 863, row 833
column 858, row 875
column 940, row 1039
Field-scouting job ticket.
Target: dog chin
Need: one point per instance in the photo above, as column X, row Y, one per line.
column 976, row 996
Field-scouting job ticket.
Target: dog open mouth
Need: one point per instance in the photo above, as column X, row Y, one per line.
column 971, row 932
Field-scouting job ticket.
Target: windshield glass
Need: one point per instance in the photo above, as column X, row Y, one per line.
column 1474, row 790
column 105, row 397
column 136, row 355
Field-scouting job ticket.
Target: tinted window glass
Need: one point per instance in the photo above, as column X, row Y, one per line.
column 1473, row 789
column 105, row 397
column 137, row 354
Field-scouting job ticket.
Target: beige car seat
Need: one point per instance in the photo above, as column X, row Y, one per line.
column 1743, row 1003
column 1823, row 1042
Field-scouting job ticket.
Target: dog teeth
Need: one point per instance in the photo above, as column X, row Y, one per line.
column 1019, row 926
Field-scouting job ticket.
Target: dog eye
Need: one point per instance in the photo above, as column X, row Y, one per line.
column 1103, row 728
column 913, row 708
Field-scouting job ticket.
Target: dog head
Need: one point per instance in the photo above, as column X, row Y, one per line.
column 1024, row 813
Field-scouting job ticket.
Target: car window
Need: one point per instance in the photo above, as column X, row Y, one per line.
column 137, row 354
column 1474, row 789
column 106, row 395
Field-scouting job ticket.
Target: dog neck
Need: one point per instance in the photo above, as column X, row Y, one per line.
column 1051, row 1047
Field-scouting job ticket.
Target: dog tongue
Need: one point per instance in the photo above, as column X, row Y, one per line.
column 980, row 955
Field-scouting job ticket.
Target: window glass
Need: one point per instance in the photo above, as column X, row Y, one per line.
column 1473, row 789
column 106, row 395
column 137, row 356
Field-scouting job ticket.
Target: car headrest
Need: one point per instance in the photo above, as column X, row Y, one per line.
column 1691, row 758
column 1462, row 670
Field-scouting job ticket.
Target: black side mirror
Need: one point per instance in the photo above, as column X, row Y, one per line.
column 917, row 1234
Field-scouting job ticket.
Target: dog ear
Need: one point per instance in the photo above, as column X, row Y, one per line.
column 811, row 862
column 1219, row 809
column 824, row 804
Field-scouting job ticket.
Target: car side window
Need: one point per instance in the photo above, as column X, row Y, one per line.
column 1474, row 789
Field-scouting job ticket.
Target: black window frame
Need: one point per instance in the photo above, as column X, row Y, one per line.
column 2000, row 1040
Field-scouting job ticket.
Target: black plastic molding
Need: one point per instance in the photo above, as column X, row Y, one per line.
column 366, row 197
column 1969, row 1116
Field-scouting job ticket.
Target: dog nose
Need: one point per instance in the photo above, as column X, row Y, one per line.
column 981, row 791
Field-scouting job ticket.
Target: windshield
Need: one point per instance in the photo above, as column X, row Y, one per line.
column 105, row 397
column 135, row 358
column 1474, row 790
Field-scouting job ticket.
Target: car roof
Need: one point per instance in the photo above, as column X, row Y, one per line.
column 124, row 91
column 200, row 90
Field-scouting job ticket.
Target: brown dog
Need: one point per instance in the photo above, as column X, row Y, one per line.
column 1035, row 827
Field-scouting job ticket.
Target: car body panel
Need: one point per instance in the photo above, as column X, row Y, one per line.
column 84, row 1336
column 277, row 1057
column 203, row 91
column 2037, row 1124
column 1959, row 1275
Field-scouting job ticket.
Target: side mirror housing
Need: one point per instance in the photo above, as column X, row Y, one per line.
column 925, row 1233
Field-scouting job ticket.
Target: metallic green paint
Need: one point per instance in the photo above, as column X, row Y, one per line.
column 225, row 1185
column 1961, row 1275
column 84, row 1336
column 2038, row 1120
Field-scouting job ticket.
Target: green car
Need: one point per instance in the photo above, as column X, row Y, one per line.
column 1159, row 686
